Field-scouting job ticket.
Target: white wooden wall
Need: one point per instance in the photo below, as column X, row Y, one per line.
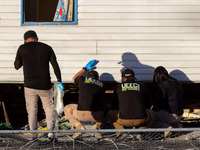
column 141, row 34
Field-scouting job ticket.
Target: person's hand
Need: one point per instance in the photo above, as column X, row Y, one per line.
column 60, row 85
column 90, row 65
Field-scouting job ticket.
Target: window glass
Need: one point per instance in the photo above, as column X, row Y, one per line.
column 38, row 12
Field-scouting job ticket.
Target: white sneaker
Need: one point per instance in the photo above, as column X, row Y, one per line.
column 51, row 135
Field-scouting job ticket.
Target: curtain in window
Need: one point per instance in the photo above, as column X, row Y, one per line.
column 64, row 11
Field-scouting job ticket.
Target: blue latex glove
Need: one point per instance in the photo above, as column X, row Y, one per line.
column 90, row 65
column 60, row 85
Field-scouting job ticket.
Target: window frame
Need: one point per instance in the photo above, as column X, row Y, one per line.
column 75, row 22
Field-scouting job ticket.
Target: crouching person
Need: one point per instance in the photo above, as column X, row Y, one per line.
column 132, row 101
column 90, row 107
column 168, row 104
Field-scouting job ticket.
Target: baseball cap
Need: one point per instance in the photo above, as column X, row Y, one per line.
column 29, row 34
column 93, row 74
column 129, row 74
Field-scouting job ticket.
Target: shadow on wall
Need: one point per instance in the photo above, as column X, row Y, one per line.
column 143, row 72
column 180, row 76
column 107, row 77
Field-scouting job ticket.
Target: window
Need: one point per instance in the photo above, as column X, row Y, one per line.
column 49, row 12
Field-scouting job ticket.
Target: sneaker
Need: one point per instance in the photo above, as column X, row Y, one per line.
column 77, row 135
column 51, row 135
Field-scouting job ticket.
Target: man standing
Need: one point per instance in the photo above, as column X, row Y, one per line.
column 35, row 56
column 130, row 104
column 90, row 107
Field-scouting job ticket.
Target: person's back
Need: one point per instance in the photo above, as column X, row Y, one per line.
column 168, row 103
column 132, row 97
column 172, row 97
column 91, row 94
column 35, row 58
column 90, row 107
column 133, row 101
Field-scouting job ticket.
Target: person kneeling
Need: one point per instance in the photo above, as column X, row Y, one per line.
column 90, row 107
column 168, row 103
column 133, row 101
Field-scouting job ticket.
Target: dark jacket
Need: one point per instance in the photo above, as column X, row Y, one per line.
column 131, row 98
column 169, row 97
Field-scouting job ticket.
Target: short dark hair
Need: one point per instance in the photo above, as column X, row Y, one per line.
column 93, row 74
column 30, row 34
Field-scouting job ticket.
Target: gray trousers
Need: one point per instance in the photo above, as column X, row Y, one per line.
column 164, row 119
column 46, row 96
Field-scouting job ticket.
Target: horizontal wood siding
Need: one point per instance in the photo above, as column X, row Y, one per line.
column 140, row 34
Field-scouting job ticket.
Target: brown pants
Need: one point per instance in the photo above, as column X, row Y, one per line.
column 113, row 117
column 75, row 116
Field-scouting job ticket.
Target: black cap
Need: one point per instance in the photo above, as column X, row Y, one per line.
column 93, row 74
column 129, row 74
column 29, row 34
